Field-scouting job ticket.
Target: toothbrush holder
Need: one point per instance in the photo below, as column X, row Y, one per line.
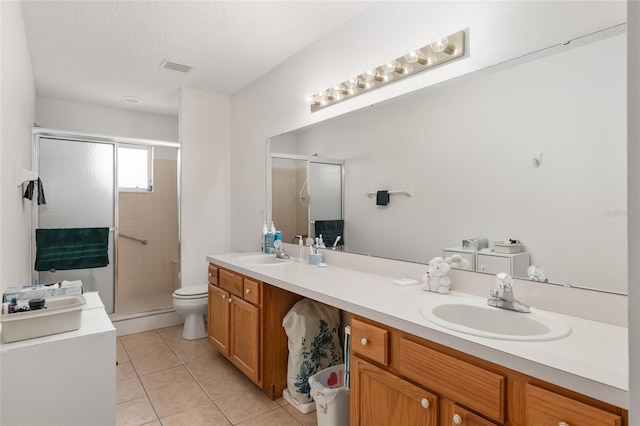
column 315, row 259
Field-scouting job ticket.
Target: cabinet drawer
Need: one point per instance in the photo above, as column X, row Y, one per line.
column 251, row 291
column 231, row 282
column 473, row 387
column 544, row 407
column 493, row 264
column 370, row 341
column 213, row 274
column 469, row 257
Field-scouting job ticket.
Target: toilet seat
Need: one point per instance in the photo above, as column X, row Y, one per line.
column 191, row 292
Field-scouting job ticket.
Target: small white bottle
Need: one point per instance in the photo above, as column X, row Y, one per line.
column 300, row 249
column 265, row 230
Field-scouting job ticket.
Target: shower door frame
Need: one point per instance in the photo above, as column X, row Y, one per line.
column 45, row 133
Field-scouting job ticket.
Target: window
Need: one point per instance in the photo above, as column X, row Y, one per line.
column 135, row 171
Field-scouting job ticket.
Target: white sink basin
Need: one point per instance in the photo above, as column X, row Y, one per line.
column 475, row 317
column 260, row 259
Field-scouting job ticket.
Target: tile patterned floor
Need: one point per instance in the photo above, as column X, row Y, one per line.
column 165, row 380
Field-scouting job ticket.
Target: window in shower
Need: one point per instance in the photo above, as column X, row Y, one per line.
column 135, row 168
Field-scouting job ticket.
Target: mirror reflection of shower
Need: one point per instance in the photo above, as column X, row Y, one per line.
column 304, row 190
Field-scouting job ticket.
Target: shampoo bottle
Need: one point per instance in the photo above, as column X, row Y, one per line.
column 265, row 231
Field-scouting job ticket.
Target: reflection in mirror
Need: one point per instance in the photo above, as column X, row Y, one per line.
column 296, row 181
column 533, row 150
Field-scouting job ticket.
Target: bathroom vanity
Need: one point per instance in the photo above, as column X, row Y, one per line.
column 409, row 370
column 245, row 325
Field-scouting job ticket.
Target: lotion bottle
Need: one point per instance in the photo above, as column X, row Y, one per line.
column 300, row 249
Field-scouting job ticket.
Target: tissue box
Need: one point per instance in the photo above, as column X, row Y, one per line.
column 506, row 247
column 35, row 291
column 475, row 243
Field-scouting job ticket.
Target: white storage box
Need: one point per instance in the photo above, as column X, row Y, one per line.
column 61, row 314
column 506, row 247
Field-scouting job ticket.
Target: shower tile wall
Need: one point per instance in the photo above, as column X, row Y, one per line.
column 289, row 214
column 149, row 269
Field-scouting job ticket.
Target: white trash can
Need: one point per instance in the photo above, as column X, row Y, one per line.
column 331, row 397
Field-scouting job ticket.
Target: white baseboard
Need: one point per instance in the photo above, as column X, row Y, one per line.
column 146, row 322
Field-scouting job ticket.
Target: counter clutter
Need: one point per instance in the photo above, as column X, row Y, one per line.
column 592, row 360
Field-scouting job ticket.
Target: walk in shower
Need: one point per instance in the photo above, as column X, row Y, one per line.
column 131, row 188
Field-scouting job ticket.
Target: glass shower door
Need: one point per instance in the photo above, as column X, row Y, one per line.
column 79, row 183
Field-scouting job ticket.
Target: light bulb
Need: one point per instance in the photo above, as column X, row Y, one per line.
column 312, row 100
column 416, row 56
column 443, row 45
column 338, row 90
column 354, row 82
column 393, row 66
column 372, row 74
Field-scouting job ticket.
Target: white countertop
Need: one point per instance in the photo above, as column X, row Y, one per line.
column 592, row 360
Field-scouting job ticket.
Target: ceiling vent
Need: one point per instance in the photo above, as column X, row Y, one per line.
column 174, row 66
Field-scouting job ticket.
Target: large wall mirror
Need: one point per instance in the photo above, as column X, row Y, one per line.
column 533, row 150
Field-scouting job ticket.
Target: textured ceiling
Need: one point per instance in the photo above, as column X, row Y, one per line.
column 99, row 51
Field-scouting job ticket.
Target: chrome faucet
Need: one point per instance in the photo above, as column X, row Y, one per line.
column 502, row 297
column 278, row 249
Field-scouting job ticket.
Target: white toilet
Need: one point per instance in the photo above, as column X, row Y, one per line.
column 192, row 302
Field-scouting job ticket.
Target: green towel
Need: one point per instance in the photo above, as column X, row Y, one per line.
column 71, row 248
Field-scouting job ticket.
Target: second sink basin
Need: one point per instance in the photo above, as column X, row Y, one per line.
column 260, row 259
column 475, row 317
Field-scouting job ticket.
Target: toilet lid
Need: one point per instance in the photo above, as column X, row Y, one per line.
column 192, row 290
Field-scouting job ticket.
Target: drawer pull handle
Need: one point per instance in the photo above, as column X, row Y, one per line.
column 563, row 424
column 457, row 419
column 247, row 291
column 364, row 341
column 425, row 403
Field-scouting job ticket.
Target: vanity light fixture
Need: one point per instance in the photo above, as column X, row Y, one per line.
column 436, row 53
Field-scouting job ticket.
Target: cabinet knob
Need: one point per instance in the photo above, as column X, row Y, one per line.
column 229, row 300
column 209, row 273
column 563, row 424
column 457, row 419
column 424, row 403
column 247, row 291
column 224, row 296
column 364, row 341
column 481, row 268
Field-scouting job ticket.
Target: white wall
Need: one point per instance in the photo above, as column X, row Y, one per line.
column 633, row 114
column 275, row 103
column 17, row 106
column 86, row 118
column 205, row 197
column 466, row 149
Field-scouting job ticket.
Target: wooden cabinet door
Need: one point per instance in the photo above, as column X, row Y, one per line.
column 452, row 415
column 219, row 319
column 245, row 338
column 380, row 398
